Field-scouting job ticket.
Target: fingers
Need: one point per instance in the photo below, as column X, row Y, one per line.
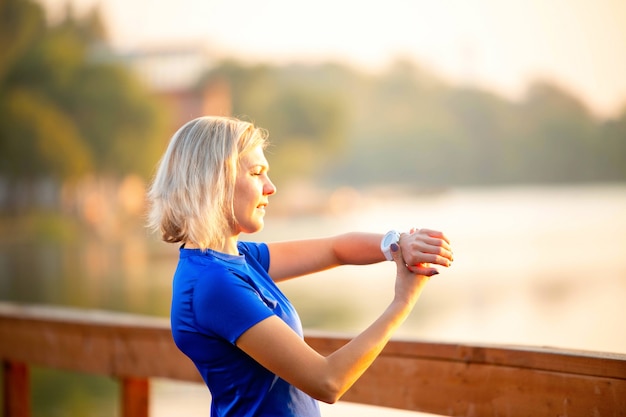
column 432, row 233
column 396, row 253
column 419, row 269
column 427, row 246
column 423, row 269
column 428, row 258
column 437, row 255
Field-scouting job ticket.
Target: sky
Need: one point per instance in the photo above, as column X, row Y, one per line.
column 500, row 45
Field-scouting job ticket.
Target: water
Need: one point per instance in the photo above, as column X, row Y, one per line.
column 542, row 266
column 533, row 266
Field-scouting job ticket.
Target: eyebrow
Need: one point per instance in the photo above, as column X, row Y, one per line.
column 251, row 162
column 259, row 163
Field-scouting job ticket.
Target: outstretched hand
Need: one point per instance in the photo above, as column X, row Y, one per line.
column 424, row 248
column 408, row 284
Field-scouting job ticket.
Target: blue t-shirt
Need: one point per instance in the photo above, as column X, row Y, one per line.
column 216, row 298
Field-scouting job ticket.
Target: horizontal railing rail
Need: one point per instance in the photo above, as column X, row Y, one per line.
column 439, row 378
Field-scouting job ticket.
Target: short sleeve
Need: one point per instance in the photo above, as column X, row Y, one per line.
column 226, row 305
column 257, row 252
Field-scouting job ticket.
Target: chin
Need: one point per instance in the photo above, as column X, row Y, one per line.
column 253, row 228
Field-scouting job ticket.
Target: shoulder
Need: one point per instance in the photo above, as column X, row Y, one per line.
column 257, row 251
column 252, row 248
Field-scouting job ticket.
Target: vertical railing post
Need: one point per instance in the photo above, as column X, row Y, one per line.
column 135, row 397
column 16, row 382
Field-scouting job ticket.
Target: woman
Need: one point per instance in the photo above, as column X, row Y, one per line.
column 227, row 314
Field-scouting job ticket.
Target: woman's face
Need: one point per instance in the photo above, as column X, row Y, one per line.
column 252, row 189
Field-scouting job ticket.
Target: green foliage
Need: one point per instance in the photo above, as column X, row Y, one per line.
column 40, row 139
column 66, row 109
column 21, row 23
column 120, row 125
column 612, row 147
column 303, row 108
column 407, row 126
column 562, row 134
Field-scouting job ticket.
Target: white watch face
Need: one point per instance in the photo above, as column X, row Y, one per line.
column 389, row 238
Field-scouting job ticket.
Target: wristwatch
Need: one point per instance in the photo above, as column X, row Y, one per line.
column 385, row 245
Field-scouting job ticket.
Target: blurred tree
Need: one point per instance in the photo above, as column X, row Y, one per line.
column 302, row 110
column 38, row 139
column 400, row 129
column 407, row 126
column 66, row 108
column 560, row 136
column 21, row 22
column 612, row 144
column 484, row 124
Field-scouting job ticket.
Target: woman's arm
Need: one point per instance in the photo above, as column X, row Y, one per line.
column 278, row 348
column 300, row 257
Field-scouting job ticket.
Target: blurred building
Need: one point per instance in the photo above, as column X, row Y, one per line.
column 177, row 75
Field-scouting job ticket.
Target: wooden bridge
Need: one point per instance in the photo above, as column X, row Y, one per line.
column 438, row 378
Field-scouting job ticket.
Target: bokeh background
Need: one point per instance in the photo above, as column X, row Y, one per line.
column 502, row 123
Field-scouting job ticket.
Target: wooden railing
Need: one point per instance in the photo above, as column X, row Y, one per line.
column 446, row 379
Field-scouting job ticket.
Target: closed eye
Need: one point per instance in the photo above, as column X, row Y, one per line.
column 259, row 170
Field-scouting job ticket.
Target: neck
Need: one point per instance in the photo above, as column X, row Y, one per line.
column 229, row 246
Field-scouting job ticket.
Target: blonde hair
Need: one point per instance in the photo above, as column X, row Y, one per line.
column 191, row 195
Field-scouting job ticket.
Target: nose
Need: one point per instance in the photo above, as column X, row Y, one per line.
column 269, row 188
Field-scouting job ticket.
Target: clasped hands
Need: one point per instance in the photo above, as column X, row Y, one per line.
column 424, row 248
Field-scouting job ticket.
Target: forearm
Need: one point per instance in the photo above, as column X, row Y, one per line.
column 358, row 248
column 277, row 347
column 347, row 364
column 296, row 258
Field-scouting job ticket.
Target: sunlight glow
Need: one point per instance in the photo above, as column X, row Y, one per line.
column 500, row 45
